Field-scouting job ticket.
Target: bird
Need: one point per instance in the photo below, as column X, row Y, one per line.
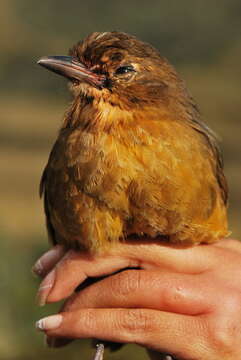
column 133, row 156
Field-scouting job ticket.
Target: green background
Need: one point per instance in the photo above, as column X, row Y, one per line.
column 201, row 38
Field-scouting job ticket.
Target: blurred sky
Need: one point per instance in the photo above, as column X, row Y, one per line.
column 201, row 38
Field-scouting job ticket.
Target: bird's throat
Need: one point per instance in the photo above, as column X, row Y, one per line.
column 96, row 115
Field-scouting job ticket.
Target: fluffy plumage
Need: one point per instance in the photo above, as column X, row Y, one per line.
column 133, row 156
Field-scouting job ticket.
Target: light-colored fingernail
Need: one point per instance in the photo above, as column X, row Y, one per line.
column 45, row 288
column 50, row 256
column 38, row 268
column 49, row 323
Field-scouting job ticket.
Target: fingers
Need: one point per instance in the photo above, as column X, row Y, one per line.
column 155, row 253
column 158, row 290
column 73, row 269
column 139, row 288
column 192, row 335
column 154, row 329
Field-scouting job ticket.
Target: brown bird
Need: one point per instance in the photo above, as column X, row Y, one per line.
column 132, row 156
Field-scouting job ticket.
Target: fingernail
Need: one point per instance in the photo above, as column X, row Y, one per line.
column 38, row 268
column 52, row 255
column 49, row 323
column 45, row 288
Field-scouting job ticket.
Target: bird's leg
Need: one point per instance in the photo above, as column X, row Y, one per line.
column 99, row 352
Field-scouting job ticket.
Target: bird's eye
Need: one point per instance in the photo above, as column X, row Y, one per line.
column 124, row 69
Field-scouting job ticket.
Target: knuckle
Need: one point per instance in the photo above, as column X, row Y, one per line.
column 225, row 334
column 136, row 321
column 87, row 320
column 173, row 294
column 222, row 338
column 126, row 282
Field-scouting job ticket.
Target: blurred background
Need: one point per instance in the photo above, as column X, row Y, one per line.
column 201, row 38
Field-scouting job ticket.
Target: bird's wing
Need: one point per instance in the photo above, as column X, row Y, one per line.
column 194, row 119
column 211, row 139
column 43, row 193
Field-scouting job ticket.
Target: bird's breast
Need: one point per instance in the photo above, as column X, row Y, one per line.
column 137, row 181
column 84, row 164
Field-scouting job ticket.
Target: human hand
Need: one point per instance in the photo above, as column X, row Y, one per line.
column 184, row 302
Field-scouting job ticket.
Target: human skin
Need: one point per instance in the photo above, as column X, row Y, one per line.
column 185, row 302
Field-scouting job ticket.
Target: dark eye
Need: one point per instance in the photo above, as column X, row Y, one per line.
column 124, row 69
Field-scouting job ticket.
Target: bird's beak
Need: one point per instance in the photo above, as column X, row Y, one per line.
column 72, row 69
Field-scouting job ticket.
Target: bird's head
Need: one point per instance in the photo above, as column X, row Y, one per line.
column 118, row 69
